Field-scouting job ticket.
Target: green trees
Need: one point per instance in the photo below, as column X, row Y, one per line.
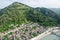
column 18, row 13
column 36, row 16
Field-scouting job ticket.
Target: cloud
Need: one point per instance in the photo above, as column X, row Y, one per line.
column 42, row 3
column 33, row 3
column 50, row 3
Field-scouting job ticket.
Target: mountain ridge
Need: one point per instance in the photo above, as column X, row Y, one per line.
column 18, row 13
column 49, row 12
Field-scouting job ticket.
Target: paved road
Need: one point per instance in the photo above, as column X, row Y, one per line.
column 48, row 32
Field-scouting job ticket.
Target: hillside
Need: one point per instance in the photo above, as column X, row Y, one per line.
column 12, row 15
column 57, row 10
column 50, row 13
column 18, row 13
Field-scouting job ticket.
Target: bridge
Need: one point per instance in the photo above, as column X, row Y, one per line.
column 48, row 32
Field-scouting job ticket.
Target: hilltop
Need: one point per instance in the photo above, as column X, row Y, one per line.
column 18, row 13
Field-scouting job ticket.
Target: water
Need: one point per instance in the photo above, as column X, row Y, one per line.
column 55, row 36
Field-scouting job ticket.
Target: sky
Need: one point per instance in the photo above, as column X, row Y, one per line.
column 33, row 3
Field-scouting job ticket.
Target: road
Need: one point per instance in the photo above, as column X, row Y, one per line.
column 13, row 30
column 48, row 32
column 16, row 29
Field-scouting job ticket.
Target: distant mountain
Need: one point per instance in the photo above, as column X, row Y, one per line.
column 18, row 13
column 49, row 12
column 57, row 10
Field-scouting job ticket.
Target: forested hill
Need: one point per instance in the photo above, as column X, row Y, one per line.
column 57, row 10
column 18, row 13
column 49, row 12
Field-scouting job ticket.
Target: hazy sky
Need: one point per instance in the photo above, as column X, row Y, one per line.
column 33, row 3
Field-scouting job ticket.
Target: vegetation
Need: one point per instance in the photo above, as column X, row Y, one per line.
column 40, row 18
column 24, row 33
column 18, row 13
column 50, row 13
